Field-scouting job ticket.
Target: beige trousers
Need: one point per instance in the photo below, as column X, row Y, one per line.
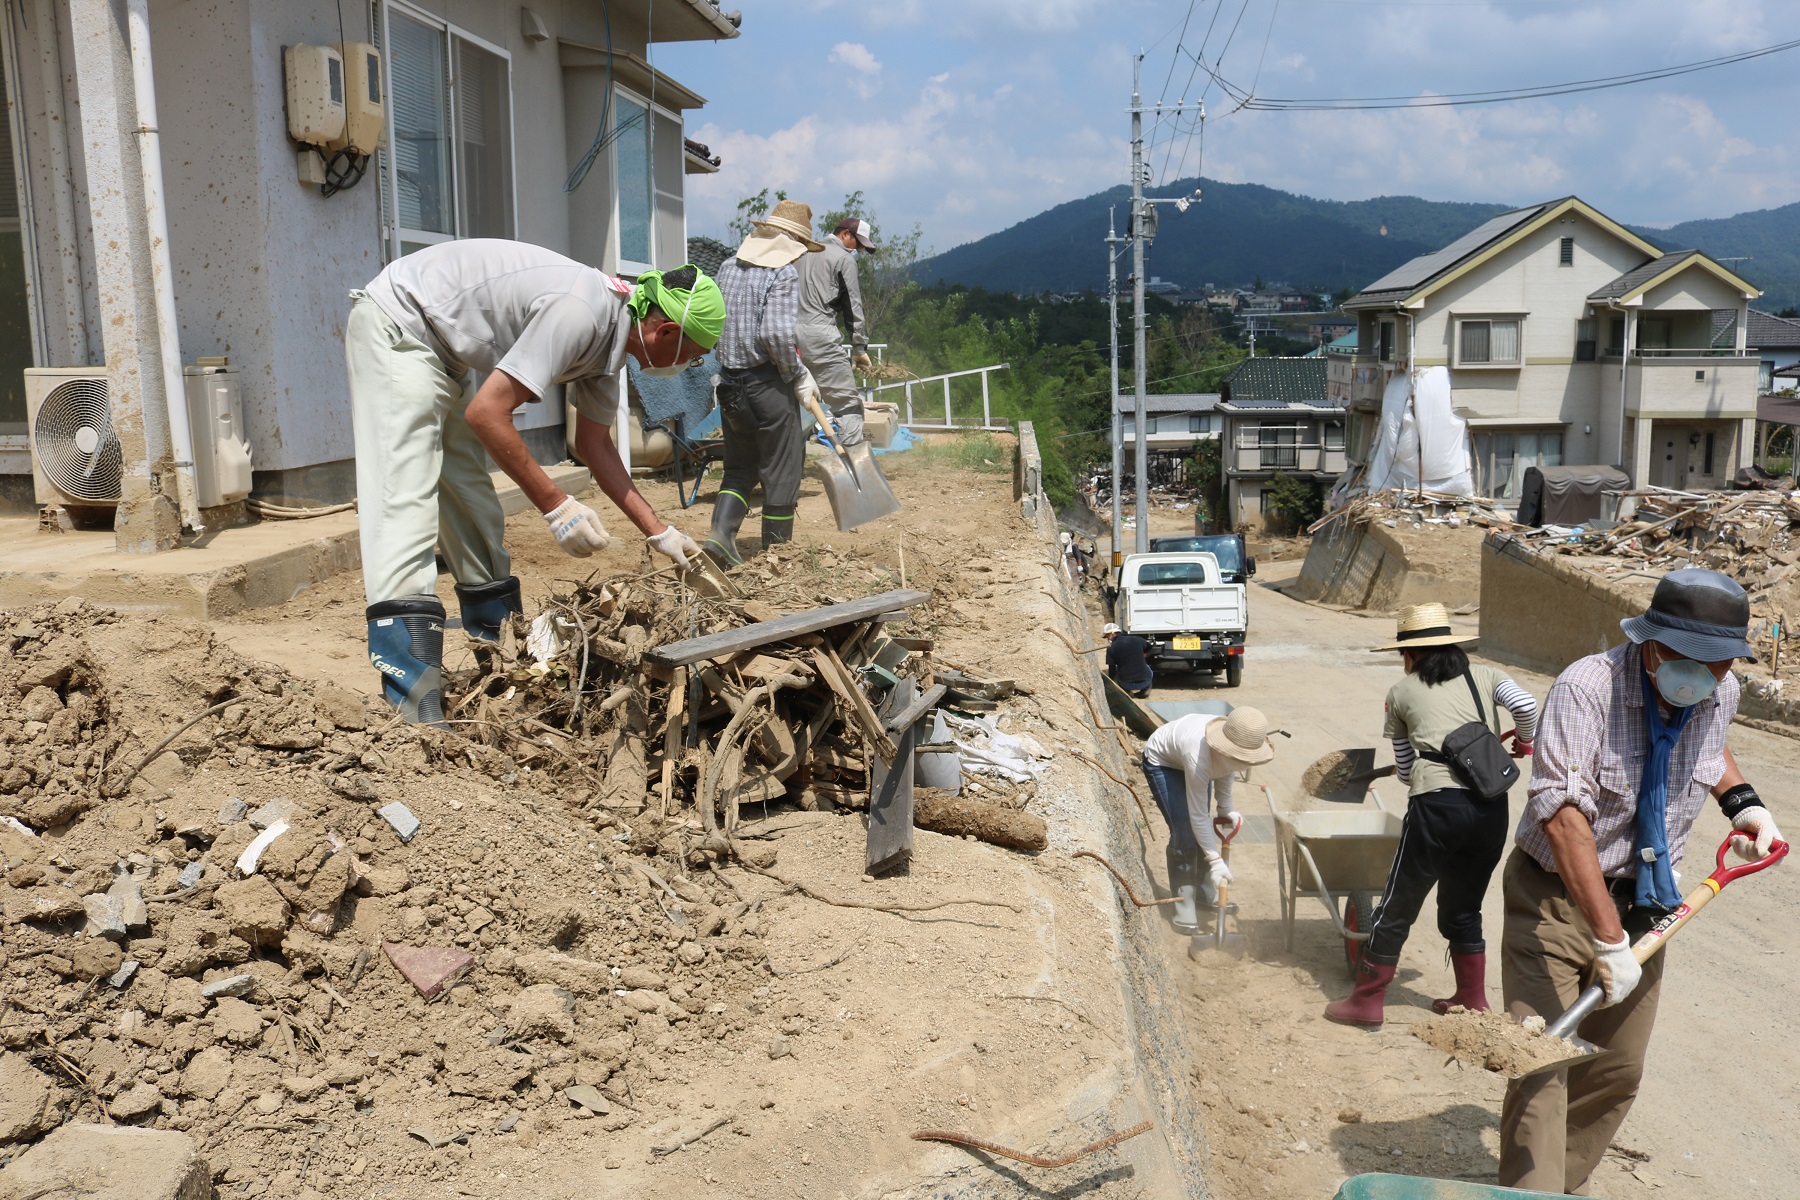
column 422, row 478
column 1554, row 1128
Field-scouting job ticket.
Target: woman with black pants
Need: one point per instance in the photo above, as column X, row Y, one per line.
column 1451, row 838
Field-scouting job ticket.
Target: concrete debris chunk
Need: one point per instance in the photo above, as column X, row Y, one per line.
column 231, row 985
column 18, row 826
column 278, row 809
column 129, row 896
column 401, row 818
column 589, row 1097
column 246, row 863
column 191, row 875
column 105, row 917
column 122, row 976
column 430, row 969
column 232, row 811
column 112, row 1162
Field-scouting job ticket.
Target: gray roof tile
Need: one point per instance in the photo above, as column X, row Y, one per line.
column 1642, row 274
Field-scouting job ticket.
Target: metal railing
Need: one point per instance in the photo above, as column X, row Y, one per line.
column 950, row 421
column 1684, row 352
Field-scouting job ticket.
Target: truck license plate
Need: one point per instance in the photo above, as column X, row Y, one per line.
column 1190, row 643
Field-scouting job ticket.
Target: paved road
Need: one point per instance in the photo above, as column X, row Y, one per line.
column 1717, row 1114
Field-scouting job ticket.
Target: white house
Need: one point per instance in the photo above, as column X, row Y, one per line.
column 1569, row 339
column 1172, row 423
column 486, row 107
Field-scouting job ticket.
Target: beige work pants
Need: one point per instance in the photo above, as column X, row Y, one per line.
column 421, row 474
column 1554, row 1128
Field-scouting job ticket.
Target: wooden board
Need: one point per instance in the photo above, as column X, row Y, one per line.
column 844, row 684
column 1137, row 718
column 890, row 839
column 910, row 714
column 750, row 637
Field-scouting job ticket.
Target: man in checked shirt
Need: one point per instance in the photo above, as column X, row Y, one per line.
column 1631, row 743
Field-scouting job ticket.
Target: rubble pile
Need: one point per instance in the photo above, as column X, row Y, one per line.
column 1395, row 508
column 301, row 924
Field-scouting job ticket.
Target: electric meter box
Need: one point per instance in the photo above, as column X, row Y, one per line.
column 315, row 94
column 364, row 113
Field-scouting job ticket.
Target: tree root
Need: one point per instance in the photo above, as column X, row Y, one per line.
column 1115, row 874
column 1035, row 1160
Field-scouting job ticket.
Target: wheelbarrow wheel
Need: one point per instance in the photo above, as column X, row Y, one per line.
column 1359, row 917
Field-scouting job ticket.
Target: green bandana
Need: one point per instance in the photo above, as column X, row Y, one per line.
column 703, row 304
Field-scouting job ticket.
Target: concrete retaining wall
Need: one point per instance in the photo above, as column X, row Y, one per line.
column 1367, row 567
column 1541, row 612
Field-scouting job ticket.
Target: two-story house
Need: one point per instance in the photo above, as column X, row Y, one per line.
column 135, row 240
column 1569, row 339
column 1172, row 423
column 1278, row 420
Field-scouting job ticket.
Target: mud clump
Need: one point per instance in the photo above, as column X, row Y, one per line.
column 1494, row 1041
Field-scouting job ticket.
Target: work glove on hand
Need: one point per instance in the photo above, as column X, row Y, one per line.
column 863, row 362
column 1521, row 746
column 1229, row 821
column 577, row 528
column 672, row 543
column 1616, row 970
column 1759, row 831
column 1216, row 871
column 806, row 387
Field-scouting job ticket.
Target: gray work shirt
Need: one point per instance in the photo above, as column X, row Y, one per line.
column 483, row 304
column 829, row 289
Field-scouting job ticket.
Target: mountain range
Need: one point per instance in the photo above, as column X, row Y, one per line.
column 1244, row 232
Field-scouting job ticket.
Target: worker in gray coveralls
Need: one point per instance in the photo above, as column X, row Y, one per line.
column 829, row 291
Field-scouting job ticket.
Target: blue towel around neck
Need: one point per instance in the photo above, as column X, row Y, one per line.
column 1650, row 845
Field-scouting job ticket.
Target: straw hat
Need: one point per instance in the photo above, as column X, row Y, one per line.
column 1421, row 625
column 781, row 237
column 1243, row 737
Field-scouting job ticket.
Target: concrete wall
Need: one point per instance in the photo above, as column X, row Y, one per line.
column 1541, row 612
column 1368, row 567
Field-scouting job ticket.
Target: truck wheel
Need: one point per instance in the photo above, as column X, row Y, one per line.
column 1234, row 673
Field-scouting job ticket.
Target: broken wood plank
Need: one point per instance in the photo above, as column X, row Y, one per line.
column 672, row 728
column 833, row 671
column 910, row 715
column 751, row 637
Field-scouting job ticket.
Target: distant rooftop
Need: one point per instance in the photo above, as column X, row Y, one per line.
column 1276, row 383
column 1177, row 402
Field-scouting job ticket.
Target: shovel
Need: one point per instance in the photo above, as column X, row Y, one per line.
column 1342, row 776
column 704, row 576
column 1652, row 941
column 854, row 484
column 1227, row 828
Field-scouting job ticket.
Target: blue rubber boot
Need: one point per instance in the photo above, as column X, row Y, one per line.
column 406, row 644
column 485, row 607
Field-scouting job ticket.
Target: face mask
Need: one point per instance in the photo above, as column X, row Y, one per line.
column 674, row 369
column 1683, row 682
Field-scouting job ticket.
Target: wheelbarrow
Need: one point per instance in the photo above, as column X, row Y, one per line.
column 1342, row 858
column 692, row 455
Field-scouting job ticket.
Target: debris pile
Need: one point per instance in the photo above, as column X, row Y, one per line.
column 1395, row 508
column 261, row 911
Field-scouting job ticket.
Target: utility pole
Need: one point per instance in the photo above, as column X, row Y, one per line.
column 1118, row 439
column 1140, row 441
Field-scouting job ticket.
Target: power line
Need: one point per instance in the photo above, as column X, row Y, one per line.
column 1249, row 100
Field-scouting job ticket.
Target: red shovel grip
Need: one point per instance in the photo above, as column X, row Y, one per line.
column 1724, row 874
column 1227, row 828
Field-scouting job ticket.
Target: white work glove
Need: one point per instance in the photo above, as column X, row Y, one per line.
column 1616, row 970
column 672, row 543
column 577, row 528
column 806, row 386
column 863, row 362
column 1759, row 830
column 1216, row 872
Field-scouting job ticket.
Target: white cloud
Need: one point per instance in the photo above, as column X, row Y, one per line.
column 866, row 79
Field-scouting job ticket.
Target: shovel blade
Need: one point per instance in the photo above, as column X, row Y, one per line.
column 855, row 487
column 1586, row 1052
column 704, row 576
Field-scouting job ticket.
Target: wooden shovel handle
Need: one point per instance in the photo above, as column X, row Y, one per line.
column 811, row 404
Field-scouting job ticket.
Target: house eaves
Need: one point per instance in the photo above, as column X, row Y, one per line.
column 632, row 71
column 689, row 21
column 1180, row 402
column 1408, row 285
column 1630, row 287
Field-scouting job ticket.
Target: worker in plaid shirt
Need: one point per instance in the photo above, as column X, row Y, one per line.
column 1631, row 744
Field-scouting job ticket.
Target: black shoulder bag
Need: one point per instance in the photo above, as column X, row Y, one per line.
column 1475, row 756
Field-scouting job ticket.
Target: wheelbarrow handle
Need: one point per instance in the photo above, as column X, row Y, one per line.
column 1646, row 946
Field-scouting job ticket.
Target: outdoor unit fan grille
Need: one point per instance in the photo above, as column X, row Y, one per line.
column 76, row 447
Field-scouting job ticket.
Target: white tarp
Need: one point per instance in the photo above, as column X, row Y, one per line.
column 1409, row 421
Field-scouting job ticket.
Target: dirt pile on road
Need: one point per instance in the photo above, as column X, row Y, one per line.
column 304, row 924
column 1494, row 1041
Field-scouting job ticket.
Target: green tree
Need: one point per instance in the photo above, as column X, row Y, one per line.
column 1296, row 502
column 1208, row 474
column 751, row 209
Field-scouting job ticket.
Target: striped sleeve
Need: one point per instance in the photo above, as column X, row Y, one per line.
column 1403, row 759
column 1508, row 694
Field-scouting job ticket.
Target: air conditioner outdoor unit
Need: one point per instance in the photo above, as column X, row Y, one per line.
column 75, row 457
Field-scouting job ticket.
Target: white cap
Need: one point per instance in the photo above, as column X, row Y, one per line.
column 1109, row 627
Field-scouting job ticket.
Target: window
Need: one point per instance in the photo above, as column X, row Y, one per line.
column 447, row 171
column 1149, row 426
column 648, row 163
column 1280, row 445
column 1502, row 456
column 1584, row 340
column 1706, row 460
column 1487, row 342
column 1128, row 425
column 1334, row 435
column 1385, row 348
column 1566, row 256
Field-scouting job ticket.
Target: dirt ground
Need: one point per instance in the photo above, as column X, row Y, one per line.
column 1295, row 1103
column 803, row 1042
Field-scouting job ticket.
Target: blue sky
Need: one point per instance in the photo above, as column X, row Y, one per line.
column 967, row 116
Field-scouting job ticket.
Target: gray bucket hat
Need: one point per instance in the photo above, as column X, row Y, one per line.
column 1698, row 614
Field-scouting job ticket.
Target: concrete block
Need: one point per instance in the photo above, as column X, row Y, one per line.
column 111, row 1162
column 278, row 809
column 192, row 874
column 401, row 818
column 231, row 985
column 105, row 916
column 232, row 811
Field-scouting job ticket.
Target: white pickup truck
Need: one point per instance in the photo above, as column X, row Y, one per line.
column 1177, row 603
